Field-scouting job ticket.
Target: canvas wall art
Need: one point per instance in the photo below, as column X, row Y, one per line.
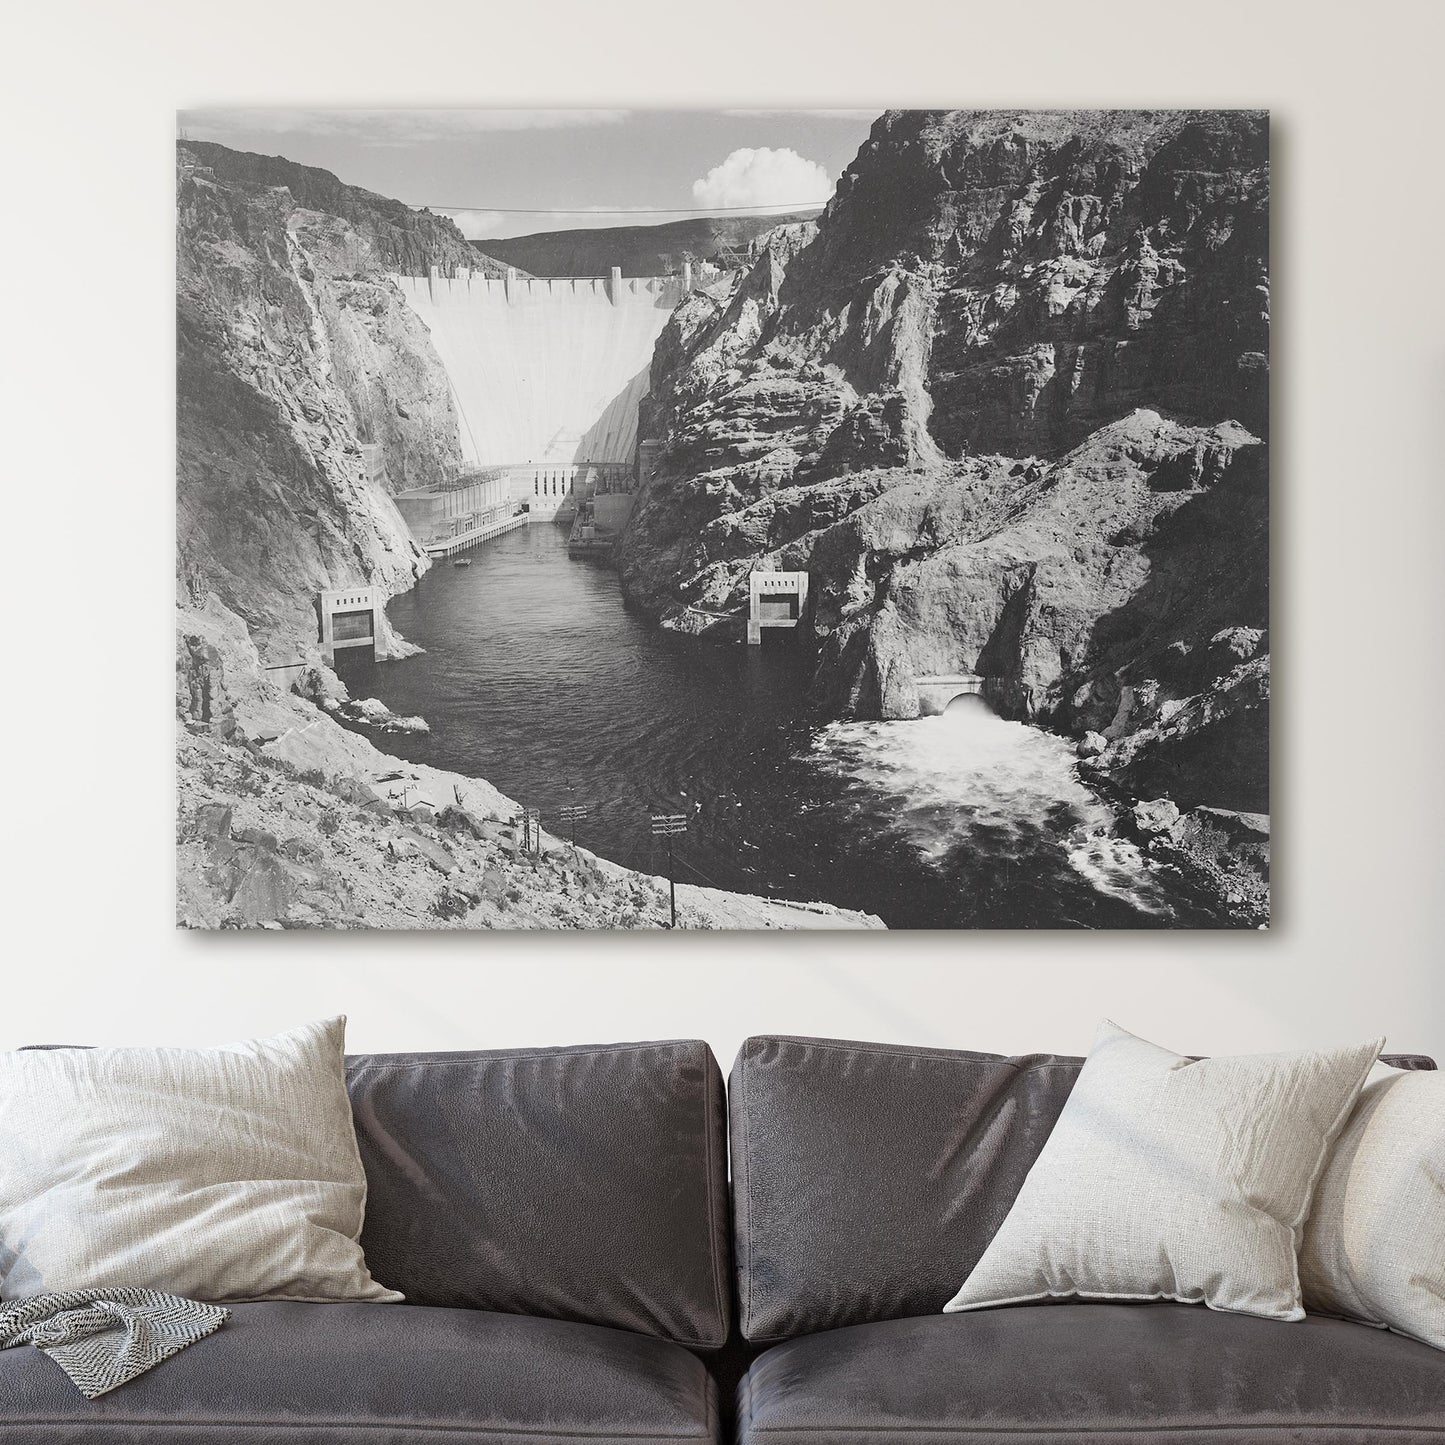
column 723, row 519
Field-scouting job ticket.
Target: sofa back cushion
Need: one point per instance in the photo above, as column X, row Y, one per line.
column 869, row 1178
column 573, row 1183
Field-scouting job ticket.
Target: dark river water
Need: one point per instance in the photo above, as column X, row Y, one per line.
column 536, row 678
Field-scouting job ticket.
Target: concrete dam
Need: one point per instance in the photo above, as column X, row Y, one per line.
column 545, row 371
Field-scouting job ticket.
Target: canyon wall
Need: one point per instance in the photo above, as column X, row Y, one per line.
column 1008, row 406
column 294, row 349
column 400, row 239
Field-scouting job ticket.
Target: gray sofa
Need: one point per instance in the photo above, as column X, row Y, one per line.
column 867, row 1181
column 559, row 1221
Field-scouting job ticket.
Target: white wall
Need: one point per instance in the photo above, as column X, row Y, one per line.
column 1360, row 362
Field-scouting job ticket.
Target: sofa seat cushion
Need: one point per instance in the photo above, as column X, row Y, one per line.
column 1102, row 1373
column 378, row 1374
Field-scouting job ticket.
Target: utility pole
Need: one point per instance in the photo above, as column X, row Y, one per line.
column 570, row 814
column 534, row 832
column 669, row 825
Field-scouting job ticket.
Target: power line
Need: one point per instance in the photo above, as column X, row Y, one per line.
column 769, row 209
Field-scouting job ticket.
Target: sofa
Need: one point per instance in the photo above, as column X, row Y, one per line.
column 577, row 1270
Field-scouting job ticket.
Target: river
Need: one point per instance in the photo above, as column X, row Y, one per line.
column 537, row 678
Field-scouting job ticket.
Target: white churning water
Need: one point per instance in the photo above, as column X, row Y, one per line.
column 970, row 779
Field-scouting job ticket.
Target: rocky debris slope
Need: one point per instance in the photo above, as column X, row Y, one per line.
column 1007, row 406
column 288, row 820
column 294, row 349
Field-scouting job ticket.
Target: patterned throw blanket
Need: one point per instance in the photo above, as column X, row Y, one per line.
column 103, row 1337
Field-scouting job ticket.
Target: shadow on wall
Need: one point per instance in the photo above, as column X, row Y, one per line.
column 613, row 436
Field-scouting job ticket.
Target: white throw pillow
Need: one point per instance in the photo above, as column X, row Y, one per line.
column 1171, row 1178
column 222, row 1174
column 1374, row 1244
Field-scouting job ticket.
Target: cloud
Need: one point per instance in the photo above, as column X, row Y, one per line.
column 385, row 127
column 763, row 177
column 477, row 225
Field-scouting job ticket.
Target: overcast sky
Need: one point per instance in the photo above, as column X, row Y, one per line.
column 587, row 162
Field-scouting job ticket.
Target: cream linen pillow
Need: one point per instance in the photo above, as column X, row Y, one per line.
column 223, row 1174
column 1374, row 1244
column 1171, row 1178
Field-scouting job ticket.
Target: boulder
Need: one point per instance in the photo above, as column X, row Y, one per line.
column 373, row 713
column 455, row 819
column 202, row 697
column 434, row 853
column 301, row 850
column 263, row 888
column 1158, row 816
column 1091, row 745
column 212, row 820
column 322, row 686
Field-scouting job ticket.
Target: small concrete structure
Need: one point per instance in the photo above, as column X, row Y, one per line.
column 445, row 518
column 349, row 619
column 604, row 497
column 283, row 674
column 434, row 513
column 647, row 455
column 553, row 491
column 479, row 532
column 937, row 690
column 373, row 458
column 775, row 599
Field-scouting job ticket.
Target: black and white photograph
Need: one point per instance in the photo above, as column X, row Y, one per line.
column 723, row 519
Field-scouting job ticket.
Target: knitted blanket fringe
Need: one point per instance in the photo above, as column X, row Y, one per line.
column 103, row 1337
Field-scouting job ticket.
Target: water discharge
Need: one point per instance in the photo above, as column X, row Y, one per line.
column 536, row 677
column 969, row 778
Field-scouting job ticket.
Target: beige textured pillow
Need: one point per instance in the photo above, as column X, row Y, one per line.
column 1167, row 1178
column 223, row 1174
column 1374, row 1244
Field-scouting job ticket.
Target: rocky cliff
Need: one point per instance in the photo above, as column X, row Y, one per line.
column 1008, row 406
column 293, row 350
column 407, row 241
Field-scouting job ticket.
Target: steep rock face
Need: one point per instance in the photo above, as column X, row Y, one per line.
column 294, row 349
column 399, row 238
column 1078, row 264
column 1008, row 408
